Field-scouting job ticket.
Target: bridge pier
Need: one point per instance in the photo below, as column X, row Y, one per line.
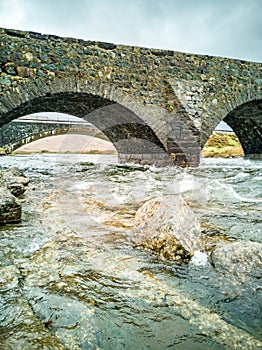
column 145, row 152
column 158, row 159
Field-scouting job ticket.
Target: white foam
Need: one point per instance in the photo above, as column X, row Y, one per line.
column 199, row 258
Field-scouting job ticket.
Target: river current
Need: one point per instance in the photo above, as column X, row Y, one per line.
column 70, row 277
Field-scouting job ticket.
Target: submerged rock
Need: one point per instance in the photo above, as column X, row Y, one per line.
column 167, row 226
column 241, row 260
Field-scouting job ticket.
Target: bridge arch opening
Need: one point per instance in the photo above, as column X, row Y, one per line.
column 245, row 122
column 222, row 143
column 51, row 117
column 69, row 134
column 130, row 135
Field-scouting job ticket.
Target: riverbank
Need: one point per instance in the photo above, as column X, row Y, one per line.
column 222, row 145
column 219, row 145
column 68, row 143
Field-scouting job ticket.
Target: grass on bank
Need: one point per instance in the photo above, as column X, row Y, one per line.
column 222, row 144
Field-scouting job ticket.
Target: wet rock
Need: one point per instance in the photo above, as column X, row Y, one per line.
column 241, row 260
column 14, row 180
column 70, row 320
column 168, row 227
column 22, row 328
column 12, row 184
column 10, row 208
column 17, row 173
column 9, row 276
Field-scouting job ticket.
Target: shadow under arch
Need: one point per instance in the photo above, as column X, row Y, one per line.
column 246, row 122
column 232, row 101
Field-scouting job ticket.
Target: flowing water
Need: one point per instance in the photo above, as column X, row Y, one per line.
column 70, row 277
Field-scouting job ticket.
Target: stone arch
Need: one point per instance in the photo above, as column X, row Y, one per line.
column 246, row 121
column 119, row 116
column 243, row 113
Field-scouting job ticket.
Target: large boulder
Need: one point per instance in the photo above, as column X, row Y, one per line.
column 167, row 226
column 10, row 207
column 13, row 183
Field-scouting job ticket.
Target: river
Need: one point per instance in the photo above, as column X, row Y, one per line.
column 70, row 277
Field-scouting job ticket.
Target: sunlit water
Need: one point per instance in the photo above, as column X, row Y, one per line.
column 70, row 277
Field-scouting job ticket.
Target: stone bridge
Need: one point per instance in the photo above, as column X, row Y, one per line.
column 18, row 133
column 157, row 107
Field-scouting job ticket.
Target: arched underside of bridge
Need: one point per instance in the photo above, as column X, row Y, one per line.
column 244, row 116
column 133, row 139
column 246, row 122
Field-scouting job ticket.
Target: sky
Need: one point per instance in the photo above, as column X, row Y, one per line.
column 228, row 28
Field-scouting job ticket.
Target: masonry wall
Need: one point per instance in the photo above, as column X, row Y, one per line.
column 199, row 90
column 141, row 72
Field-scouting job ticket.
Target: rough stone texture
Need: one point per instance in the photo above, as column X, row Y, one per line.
column 240, row 260
column 12, row 184
column 166, row 226
column 172, row 100
column 14, row 180
column 10, row 207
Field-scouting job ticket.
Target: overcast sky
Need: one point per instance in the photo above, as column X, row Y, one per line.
column 230, row 28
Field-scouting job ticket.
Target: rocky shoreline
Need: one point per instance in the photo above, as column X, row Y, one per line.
column 13, row 183
column 58, row 288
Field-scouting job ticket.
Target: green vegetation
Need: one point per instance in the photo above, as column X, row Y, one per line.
column 222, row 144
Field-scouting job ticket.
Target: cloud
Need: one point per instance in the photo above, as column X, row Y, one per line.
column 230, row 28
column 12, row 13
